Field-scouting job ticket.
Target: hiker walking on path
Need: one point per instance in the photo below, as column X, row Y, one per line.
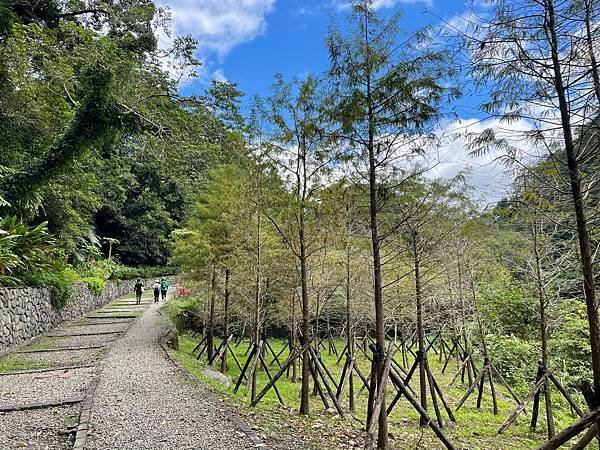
column 139, row 290
column 164, row 287
column 156, row 288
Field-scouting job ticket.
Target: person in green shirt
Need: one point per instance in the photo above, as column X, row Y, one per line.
column 164, row 287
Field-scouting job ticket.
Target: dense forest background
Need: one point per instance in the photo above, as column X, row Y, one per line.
column 99, row 151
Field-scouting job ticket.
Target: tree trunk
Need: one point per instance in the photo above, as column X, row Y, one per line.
column 349, row 335
column 420, row 331
column 304, row 395
column 382, row 436
column 294, row 336
column 586, row 258
column 210, row 335
column 543, row 332
column 257, row 299
column 463, row 315
column 378, row 294
column 225, row 323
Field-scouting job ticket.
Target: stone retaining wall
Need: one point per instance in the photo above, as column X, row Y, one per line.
column 27, row 312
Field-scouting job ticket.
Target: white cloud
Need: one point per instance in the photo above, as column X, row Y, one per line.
column 378, row 4
column 219, row 75
column 489, row 175
column 381, row 4
column 219, row 25
column 308, row 11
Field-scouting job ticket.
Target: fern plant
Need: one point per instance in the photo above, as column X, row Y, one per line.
column 23, row 249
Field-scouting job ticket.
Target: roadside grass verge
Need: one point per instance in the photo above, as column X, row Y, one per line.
column 475, row 429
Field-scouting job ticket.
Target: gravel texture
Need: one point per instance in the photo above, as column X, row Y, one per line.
column 83, row 341
column 37, row 429
column 63, row 358
column 44, row 386
column 100, row 328
column 109, row 321
column 143, row 402
column 123, row 308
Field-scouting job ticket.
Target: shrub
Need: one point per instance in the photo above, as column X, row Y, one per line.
column 182, row 291
column 23, row 249
column 185, row 312
column 569, row 343
column 96, row 269
column 122, row 272
column 57, row 282
column 515, row 358
column 96, row 285
column 112, row 269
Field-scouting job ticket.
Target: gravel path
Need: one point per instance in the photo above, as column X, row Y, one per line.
column 44, row 386
column 83, row 341
column 101, row 322
column 37, row 429
column 143, row 402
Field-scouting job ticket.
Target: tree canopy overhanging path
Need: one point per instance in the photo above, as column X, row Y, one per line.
column 142, row 400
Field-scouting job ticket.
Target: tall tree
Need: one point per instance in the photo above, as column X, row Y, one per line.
column 389, row 94
column 430, row 211
column 535, row 57
column 299, row 148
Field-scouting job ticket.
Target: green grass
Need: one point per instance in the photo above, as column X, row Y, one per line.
column 43, row 343
column 117, row 314
column 475, row 429
column 13, row 363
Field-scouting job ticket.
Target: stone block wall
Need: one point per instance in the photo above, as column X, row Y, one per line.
column 27, row 312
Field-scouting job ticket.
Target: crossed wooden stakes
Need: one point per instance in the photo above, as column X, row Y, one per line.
column 465, row 362
column 588, row 423
column 331, row 347
column 218, row 352
column 377, row 392
column 487, row 372
column 444, row 352
column 542, row 384
column 319, row 372
column 394, row 371
column 328, row 389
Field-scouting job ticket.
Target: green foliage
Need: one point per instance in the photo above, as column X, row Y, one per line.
column 95, row 284
column 101, row 269
column 57, row 281
column 181, row 309
column 23, row 249
column 501, row 294
column 515, row 358
column 121, row 272
column 112, row 269
column 569, row 343
column 82, row 98
column 209, row 234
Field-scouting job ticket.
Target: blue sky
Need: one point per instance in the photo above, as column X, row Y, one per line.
column 248, row 41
